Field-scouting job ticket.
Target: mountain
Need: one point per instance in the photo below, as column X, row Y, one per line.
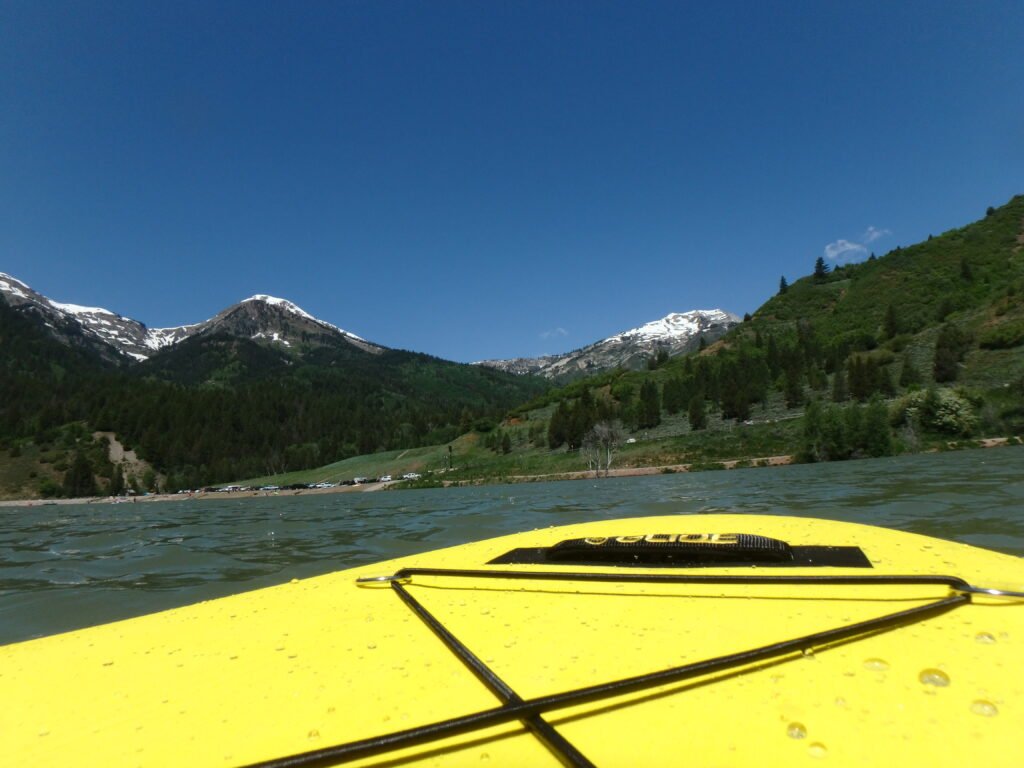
column 105, row 333
column 261, row 387
column 279, row 321
column 676, row 334
column 118, row 338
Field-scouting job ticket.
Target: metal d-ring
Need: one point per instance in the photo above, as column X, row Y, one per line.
column 393, row 579
column 970, row 589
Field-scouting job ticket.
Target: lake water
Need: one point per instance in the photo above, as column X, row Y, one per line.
column 65, row 567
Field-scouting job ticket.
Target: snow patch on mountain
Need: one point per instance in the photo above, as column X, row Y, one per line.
column 676, row 325
column 115, row 335
column 13, row 286
column 158, row 338
column 675, row 333
column 275, row 336
column 75, row 309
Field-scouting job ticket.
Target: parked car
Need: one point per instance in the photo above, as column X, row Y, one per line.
column 411, row 476
column 385, row 478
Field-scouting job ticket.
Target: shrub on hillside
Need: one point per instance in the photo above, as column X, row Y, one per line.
column 937, row 410
column 1003, row 336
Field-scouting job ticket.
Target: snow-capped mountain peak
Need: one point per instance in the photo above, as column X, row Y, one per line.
column 295, row 309
column 675, row 333
column 260, row 317
column 106, row 331
column 677, row 325
column 283, row 303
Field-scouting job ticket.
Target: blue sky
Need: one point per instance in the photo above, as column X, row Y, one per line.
column 490, row 179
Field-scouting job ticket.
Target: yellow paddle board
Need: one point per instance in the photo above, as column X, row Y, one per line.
column 719, row 640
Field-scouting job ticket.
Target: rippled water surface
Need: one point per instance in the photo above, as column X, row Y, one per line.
column 64, row 567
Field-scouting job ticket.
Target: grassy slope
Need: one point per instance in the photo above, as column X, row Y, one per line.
column 920, row 282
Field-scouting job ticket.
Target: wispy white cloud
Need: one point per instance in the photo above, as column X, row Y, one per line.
column 848, row 250
column 843, row 250
column 874, row 233
column 554, row 333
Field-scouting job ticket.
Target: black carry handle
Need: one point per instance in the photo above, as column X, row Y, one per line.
column 738, row 548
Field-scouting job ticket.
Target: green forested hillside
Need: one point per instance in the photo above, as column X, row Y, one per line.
column 219, row 407
column 905, row 351
column 909, row 350
column 972, row 277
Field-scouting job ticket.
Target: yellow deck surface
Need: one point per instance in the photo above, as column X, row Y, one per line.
column 322, row 661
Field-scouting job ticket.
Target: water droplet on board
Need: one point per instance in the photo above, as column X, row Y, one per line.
column 371, row 646
column 796, row 731
column 876, row 665
column 985, row 638
column 817, row 750
column 934, row 677
column 313, row 734
column 984, row 708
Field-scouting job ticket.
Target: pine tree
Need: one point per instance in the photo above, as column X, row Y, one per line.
column 864, row 377
column 812, row 433
column 673, row 395
column 650, row 405
column 853, row 415
column 697, row 412
column 116, row 487
column 884, row 381
column 79, row 479
column 950, row 347
column 840, row 393
column 891, row 324
column 783, row 285
column 557, row 425
column 816, row 378
column 794, row 387
column 820, row 269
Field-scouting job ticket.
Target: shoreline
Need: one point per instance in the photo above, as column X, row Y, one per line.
column 586, row 474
